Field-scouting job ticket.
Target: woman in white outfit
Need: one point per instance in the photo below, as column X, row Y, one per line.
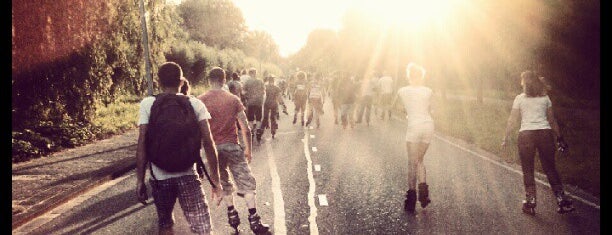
column 416, row 98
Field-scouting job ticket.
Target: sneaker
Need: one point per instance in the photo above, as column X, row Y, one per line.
column 565, row 203
column 529, row 205
column 423, row 195
column 256, row 226
column 233, row 219
column 410, row 201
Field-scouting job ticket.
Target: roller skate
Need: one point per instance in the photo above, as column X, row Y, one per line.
column 565, row 204
column 410, row 201
column 233, row 219
column 529, row 205
column 256, row 226
column 423, row 195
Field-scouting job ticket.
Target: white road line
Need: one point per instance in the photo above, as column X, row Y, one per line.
column 312, row 136
column 317, row 167
column 514, row 170
column 312, row 219
column 314, row 149
column 323, row 200
column 279, row 203
column 52, row 214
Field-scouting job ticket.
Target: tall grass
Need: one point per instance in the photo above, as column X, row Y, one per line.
column 484, row 125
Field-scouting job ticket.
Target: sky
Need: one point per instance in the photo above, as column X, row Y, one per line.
column 290, row 21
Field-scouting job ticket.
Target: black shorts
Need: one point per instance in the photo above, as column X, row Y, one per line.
column 254, row 113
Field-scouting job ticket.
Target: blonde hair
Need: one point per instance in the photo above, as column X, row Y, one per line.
column 415, row 70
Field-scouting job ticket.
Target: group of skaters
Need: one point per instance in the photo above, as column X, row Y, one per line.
column 171, row 135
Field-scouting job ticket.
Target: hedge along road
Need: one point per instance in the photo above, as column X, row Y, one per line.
column 336, row 181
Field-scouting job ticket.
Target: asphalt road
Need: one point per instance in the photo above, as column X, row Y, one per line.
column 348, row 181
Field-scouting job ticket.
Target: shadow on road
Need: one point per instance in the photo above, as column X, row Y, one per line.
column 98, row 215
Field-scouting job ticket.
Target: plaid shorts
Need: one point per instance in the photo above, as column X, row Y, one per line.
column 232, row 159
column 191, row 198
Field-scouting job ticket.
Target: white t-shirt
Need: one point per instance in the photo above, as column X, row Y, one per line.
column 533, row 111
column 144, row 113
column 416, row 100
column 386, row 85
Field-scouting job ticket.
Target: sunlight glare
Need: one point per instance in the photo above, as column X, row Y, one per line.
column 409, row 13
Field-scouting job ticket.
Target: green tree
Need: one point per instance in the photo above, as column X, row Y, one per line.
column 216, row 23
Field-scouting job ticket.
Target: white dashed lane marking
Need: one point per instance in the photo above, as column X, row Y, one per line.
column 323, row 200
column 314, row 149
column 317, row 167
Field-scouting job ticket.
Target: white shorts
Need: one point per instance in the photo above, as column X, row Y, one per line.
column 420, row 133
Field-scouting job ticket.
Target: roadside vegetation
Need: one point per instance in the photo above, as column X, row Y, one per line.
column 88, row 86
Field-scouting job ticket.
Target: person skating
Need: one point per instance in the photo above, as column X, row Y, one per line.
column 316, row 99
column 254, row 92
column 538, row 131
column 225, row 108
column 273, row 99
column 300, row 96
column 416, row 98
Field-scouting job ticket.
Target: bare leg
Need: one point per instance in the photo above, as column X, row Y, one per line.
column 413, row 151
column 422, row 149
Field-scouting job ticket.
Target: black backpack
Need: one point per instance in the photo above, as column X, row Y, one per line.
column 173, row 137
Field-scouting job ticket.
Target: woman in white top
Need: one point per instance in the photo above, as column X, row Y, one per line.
column 416, row 99
column 537, row 132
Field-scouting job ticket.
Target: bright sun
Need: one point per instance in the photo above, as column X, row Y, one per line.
column 409, row 13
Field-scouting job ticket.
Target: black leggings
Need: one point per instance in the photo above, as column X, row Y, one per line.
column 541, row 140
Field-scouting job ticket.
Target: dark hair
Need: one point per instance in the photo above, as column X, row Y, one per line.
column 170, row 74
column 301, row 75
column 216, row 74
column 186, row 88
column 235, row 76
column 532, row 85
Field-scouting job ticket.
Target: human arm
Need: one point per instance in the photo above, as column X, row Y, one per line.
column 212, row 158
column 141, row 162
column 511, row 123
column 550, row 116
column 245, row 132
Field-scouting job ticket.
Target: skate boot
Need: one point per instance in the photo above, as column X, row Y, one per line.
column 410, row 201
column 256, row 226
column 233, row 219
column 565, row 203
column 529, row 205
column 423, row 195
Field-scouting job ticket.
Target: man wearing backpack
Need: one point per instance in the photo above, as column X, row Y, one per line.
column 225, row 109
column 316, row 99
column 173, row 128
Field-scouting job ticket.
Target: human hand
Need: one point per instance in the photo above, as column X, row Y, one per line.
column 562, row 145
column 247, row 154
column 504, row 141
column 217, row 194
column 141, row 190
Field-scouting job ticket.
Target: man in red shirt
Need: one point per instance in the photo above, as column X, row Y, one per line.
column 225, row 108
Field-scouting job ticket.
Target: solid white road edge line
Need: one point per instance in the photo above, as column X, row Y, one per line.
column 312, row 219
column 514, row 170
column 279, row 203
